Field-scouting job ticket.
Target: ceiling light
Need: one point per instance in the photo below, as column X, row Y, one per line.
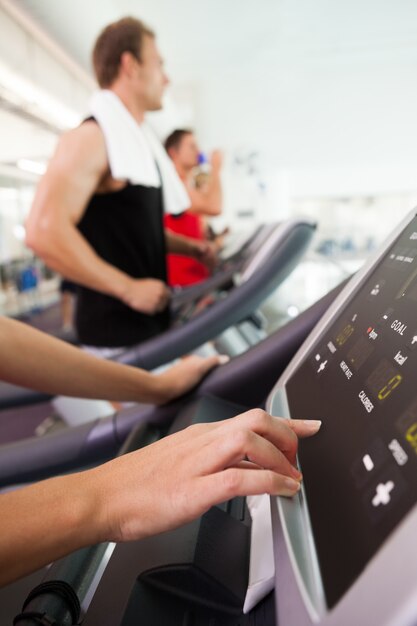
column 19, row 232
column 292, row 310
column 34, row 167
column 35, row 99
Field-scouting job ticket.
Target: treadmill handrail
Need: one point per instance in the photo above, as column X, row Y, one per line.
column 36, row 458
column 290, row 238
column 15, row 396
column 223, row 273
column 195, row 292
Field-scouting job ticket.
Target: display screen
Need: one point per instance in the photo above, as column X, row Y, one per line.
column 360, row 471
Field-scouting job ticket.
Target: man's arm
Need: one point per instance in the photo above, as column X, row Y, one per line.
column 207, row 200
column 75, row 172
column 203, row 251
column 149, row 491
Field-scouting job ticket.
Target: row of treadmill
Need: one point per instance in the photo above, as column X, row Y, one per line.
column 342, row 550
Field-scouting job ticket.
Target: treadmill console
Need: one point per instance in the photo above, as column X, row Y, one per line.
column 358, row 375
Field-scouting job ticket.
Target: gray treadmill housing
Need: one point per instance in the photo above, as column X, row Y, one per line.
column 385, row 592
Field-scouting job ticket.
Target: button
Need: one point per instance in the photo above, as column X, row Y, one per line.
column 322, row 357
column 332, row 348
column 382, row 495
column 386, row 315
column 385, row 492
column 370, row 462
column 398, row 452
column 412, row 343
column 322, row 366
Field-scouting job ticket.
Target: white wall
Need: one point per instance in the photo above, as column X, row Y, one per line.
column 334, row 108
column 324, row 92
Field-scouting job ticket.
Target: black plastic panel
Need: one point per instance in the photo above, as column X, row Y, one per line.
column 360, row 471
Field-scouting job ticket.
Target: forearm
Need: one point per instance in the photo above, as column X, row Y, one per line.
column 77, row 374
column 66, row 251
column 43, row 522
column 178, row 244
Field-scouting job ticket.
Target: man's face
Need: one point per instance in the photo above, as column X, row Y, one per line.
column 152, row 76
column 187, row 152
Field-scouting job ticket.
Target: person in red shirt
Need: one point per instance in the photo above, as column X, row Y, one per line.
column 206, row 200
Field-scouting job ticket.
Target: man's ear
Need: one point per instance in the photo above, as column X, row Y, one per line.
column 128, row 63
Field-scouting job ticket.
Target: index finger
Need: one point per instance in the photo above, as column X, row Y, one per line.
column 304, row 428
column 282, row 432
column 273, row 429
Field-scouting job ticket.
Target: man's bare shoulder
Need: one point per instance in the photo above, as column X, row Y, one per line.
column 82, row 146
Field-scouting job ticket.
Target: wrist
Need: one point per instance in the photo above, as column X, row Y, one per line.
column 97, row 515
column 81, row 512
column 145, row 387
column 123, row 288
column 165, row 387
column 197, row 250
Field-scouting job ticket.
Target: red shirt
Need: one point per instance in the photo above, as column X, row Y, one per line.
column 182, row 270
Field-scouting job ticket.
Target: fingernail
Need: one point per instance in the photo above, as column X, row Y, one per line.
column 292, row 485
column 313, row 425
column 223, row 358
column 296, row 473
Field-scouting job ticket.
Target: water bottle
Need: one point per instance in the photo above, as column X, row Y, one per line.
column 201, row 172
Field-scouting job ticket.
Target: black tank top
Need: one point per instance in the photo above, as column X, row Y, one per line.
column 125, row 228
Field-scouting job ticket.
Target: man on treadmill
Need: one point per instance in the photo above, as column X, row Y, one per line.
column 97, row 217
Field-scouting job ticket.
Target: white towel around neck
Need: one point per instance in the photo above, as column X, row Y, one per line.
column 134, row 153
